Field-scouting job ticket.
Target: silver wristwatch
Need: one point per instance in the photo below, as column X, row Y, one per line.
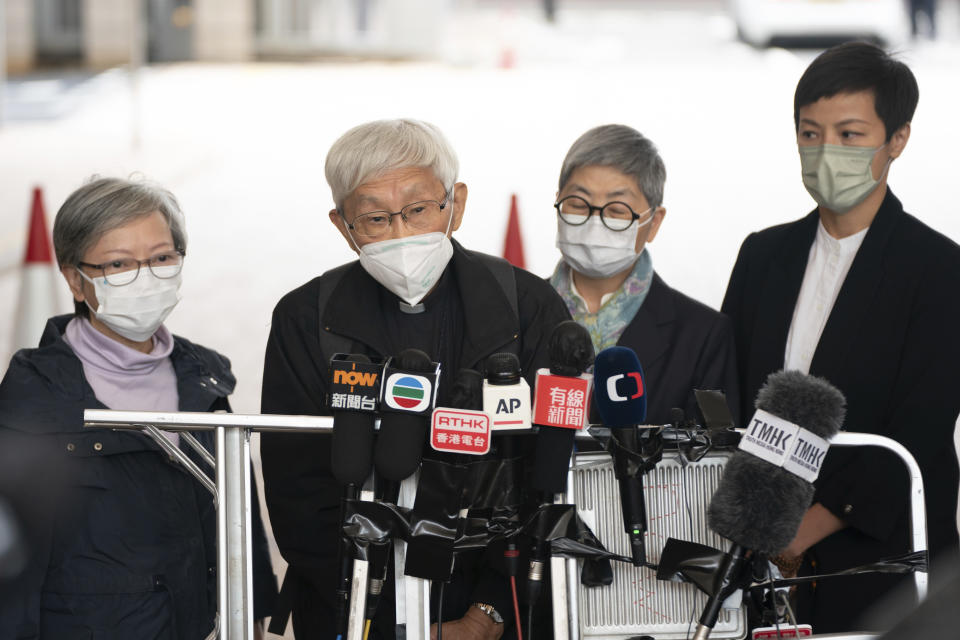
column 490, row 611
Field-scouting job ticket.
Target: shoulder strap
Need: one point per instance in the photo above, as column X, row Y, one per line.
column 506, row 278
column 331, row 343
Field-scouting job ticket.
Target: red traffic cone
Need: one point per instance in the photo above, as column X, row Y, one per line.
column 513, row 243
column 39, row 293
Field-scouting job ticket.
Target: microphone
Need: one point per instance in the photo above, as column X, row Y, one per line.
column 466, row 392
column 766, row 486
column 462, row 427
column 622, row 404
column 506, row 395
column 409, row 392
column 352, row 399
column 561, row 399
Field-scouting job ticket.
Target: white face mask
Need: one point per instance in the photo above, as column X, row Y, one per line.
column 596, row 251
column 409, row 267
column 136, row 310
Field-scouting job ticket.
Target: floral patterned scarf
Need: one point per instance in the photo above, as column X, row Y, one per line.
column 607, row 325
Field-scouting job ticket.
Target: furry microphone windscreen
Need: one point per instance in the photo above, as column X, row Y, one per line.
column 759, row 505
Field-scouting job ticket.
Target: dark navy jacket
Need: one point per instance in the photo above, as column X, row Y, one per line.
column 682, row 345
column 128, row 551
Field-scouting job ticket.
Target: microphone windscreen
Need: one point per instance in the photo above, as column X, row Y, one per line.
column 402, row 435
column 551, row 459
column 413, row 360
column 619, row 388
column 805, row 400
column 352, row 446
column 570, row 353
column 351, row 449
column 569, row 349
column 503, row 369
column 467, row 390
column 759, row 505
column 400, row 444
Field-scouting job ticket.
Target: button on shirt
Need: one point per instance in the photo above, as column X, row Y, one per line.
column 827, row 267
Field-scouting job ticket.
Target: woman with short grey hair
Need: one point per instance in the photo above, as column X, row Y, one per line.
column 609, row 207
column 130, row 550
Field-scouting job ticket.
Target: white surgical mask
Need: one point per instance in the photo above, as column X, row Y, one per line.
column 596, row 251
column 409, row 267
column 136, row 310
column 839, row 177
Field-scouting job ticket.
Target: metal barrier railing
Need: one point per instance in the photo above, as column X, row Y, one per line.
column 567, row 617
column 231, row 490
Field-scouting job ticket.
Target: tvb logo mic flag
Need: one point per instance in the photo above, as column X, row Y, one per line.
column 561, row 401
column 407, row 391
column 354, row 386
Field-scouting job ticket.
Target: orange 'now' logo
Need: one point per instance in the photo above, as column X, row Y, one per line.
column 354, row 378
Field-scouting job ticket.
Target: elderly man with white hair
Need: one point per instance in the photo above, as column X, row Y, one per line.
column 397, row 202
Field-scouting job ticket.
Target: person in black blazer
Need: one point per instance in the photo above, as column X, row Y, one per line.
column 865, row 295
column 609, row 207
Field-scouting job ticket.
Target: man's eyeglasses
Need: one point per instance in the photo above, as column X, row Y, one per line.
column 417, row 215
column 616, row 216
column 123, row 271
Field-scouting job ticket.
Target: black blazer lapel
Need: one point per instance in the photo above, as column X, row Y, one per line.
column 650, row 333
column 778, row 296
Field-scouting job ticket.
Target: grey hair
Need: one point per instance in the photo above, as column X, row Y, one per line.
column 371, row 149
column 626, row 150
column 105, row 204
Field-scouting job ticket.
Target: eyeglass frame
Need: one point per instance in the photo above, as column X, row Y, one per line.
column 591, row 209
column 440, row 203
column 140, row 263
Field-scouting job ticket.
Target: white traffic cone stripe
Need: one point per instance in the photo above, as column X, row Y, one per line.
column 40, row 298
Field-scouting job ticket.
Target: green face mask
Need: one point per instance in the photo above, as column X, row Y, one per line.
column 839, row 177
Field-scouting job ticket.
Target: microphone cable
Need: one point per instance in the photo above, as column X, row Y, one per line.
column 516, row 610
column 440, row 612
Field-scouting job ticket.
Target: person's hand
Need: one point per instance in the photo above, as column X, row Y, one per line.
column 258, row 632
column 474, row 625
column 817, row 524
column 787, row 565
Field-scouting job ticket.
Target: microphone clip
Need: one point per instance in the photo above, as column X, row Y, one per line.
column 635, row 451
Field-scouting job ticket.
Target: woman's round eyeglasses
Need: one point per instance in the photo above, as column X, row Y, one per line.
column 616, row 216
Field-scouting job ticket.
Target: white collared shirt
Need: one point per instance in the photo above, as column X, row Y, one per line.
column 827, row 267
column 573, row 290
